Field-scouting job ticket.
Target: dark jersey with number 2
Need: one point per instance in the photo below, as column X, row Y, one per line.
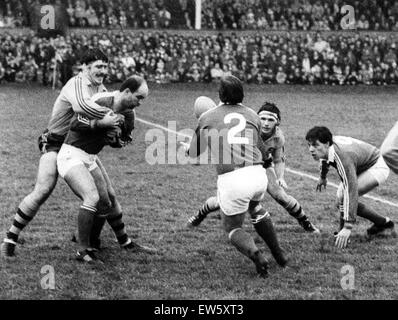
column 231, row 133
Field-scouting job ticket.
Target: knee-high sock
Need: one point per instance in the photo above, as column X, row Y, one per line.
column 210, row 205
column 118, row 227
column 25, row 213
column 243, row 242
column 98, row 225
column 293, row 207
column 85, row 224
column 367, row 213
column 265, row 228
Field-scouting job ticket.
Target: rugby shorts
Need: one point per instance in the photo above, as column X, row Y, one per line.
column 70, row 156
column 237, row 188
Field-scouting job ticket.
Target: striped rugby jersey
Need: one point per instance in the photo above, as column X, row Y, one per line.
column 351, row 157
column 75, row 97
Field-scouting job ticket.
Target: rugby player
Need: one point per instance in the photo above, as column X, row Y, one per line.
column 77, row 164
column 361, row 169
column 75, row 96
column 272, row 150
column 242, row 180
column 389, row 149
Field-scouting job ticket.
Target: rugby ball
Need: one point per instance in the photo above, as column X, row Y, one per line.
column 203, row 104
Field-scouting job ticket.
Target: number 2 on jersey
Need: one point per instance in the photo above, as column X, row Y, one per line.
column 232, row 138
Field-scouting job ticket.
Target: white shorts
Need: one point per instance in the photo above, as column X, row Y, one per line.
column 70, row 156
column 237, row 188
column 379, row 171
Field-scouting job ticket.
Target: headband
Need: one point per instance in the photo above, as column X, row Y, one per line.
column 270, row 114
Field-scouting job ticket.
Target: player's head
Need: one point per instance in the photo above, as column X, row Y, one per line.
column 133, row 91
column 95, row 65
column 270, row 117
column 231, row 90
column 319, row 140
column 203, row 104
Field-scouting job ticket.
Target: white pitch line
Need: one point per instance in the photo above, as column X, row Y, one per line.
column 298, row 173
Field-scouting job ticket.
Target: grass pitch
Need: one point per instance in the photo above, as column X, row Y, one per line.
column 157, row 200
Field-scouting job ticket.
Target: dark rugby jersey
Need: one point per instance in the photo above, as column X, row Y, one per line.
column 350, row 157
column 232, row 134
column 92, row 140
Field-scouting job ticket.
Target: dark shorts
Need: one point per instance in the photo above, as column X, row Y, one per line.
column 50, row 142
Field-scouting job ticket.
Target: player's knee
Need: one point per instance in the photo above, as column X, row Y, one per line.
column 112, row 196
column 231, row 222
column 104, row 205
column 91, row 198
column 254, row 209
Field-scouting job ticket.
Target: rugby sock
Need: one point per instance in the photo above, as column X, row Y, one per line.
column 371, row 215
column 293, row 207
column 210, row 205
column 118, row 228
column 243, row 242
column 265, row 228
column 25, row 213
column 98, row 224
column 85, row 223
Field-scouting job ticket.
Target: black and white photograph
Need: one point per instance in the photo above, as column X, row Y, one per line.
column 197, row 155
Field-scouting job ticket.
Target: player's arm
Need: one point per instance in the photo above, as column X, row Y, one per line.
column 347, row 172
column 198, row 143
column 323, row 173
column 348, row 175
column 79, row 97
column 128, row 125
column 82, row 123
column 278, row 157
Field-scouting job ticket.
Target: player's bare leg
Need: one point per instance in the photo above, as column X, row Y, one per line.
column 82, row 183
column 381, row 225
column 290, row 204
column 244, row 242
column 262, row 222
column 389, row 149
column 47, row 175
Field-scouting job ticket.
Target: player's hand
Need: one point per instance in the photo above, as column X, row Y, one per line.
column 185, row 146
column 282, row 183
column 342, row 238
column 126, row 140
column 120, row 119
column 109, row 120
column 321, row 183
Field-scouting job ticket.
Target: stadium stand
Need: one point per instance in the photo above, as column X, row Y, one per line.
column 217, row 14
column 295, row 47
column 305, row 58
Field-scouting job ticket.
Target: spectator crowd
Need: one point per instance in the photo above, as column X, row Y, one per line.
column 216, row 14
column 163, row 57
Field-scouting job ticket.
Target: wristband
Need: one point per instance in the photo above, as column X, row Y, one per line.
column 348, row 225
